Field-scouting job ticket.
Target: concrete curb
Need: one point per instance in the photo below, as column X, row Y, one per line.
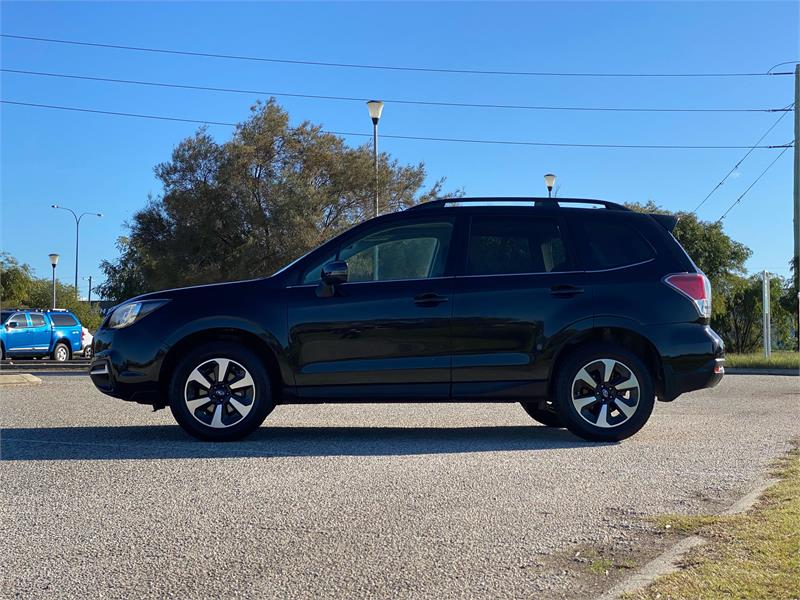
column 667, row 562
column 748, row 371
column 18, row 378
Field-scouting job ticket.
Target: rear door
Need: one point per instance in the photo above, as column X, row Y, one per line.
column 518, row 288
column 40, row 333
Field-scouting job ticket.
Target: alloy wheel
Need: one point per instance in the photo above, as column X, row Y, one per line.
column 605, row 393
column 219, row 393
column 61, row 354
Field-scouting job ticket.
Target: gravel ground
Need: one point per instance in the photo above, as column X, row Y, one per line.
column 100, row 498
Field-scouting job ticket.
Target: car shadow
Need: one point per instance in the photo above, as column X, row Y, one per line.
column 170, row 442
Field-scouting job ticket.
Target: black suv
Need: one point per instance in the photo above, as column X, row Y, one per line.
column 580, row 310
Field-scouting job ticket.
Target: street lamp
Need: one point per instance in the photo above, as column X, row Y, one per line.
column 549, row 181
column 54, row 262
column 77, row 235
column 375, row 109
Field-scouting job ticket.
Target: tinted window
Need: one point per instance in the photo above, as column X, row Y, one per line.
column 410, row 251
column 62, row 320
column 19, row 319
column 507, row 245
column 613, row 244
column 37, row 320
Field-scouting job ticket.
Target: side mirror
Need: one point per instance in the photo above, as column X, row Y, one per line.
column 333, row 274
column 11, row 325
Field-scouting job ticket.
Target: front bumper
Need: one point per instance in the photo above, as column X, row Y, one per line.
column 126, row 365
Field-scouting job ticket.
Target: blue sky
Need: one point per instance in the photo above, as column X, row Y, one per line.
column 105, row 164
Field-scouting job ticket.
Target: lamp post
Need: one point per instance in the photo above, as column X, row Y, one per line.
column 375, row 109
column 549, row 181
column 54, row 262
column 77, row 235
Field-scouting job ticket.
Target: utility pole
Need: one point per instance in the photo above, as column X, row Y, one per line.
column 90, row 289
column 797, row 193
column 766, row 321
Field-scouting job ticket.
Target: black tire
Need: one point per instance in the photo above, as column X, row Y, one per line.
column 205, row 357
column 619, row 425
column 61, row 352
column 547, row 417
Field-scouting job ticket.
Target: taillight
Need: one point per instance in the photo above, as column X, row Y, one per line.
column 694, row 286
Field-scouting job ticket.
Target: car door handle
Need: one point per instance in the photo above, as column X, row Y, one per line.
column 429, row 299
column 565, row 290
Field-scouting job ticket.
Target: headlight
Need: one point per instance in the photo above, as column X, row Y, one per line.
column 130, row 312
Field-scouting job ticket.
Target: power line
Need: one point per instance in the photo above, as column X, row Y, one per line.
column 388, row 100
column 398, row 137
column 741, row 160
column 369, row 66
column 739, row 199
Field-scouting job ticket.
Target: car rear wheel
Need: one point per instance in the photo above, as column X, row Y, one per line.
column 61, row 352
column 220, row 392
column 604, row 393
column 546, row 416
column 88, row 353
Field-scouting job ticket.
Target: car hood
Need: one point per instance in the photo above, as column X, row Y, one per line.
column 211, row 288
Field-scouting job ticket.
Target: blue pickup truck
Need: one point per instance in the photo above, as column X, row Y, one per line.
column 33, row 332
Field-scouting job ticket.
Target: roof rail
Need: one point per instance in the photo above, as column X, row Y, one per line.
column 33, row 309
column 537, row 202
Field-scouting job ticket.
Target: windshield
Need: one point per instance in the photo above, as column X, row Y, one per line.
column 5, row 315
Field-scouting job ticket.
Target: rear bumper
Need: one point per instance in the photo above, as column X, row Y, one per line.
column 693, row 358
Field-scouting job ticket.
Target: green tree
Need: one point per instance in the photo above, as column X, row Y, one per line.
column 713, row 251
column 15, row 281
column 246, row 207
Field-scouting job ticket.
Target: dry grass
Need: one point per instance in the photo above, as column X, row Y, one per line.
column 751, row 556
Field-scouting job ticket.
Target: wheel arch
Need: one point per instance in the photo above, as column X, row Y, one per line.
column 626, row 337
column 67, row 342
column 248, row 339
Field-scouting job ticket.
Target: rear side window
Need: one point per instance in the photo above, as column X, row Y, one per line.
column 518, row 244
column 37, row 320
column 61, row 320
column 612, row 244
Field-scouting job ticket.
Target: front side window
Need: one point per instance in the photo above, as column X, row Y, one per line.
column 411, row 251
column 19, row 319
column 37, row 320
column 515, row 245
column 61, row 320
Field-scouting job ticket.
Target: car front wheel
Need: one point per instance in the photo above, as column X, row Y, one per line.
column 604, row 393
column 220, row 392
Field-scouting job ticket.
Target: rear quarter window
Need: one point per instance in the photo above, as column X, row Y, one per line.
column 63, row 320
column 611, row 244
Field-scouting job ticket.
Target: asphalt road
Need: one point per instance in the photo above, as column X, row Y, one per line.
column 99, row 498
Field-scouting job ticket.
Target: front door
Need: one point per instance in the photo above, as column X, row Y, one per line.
column 385, row 334
column 17, row 334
